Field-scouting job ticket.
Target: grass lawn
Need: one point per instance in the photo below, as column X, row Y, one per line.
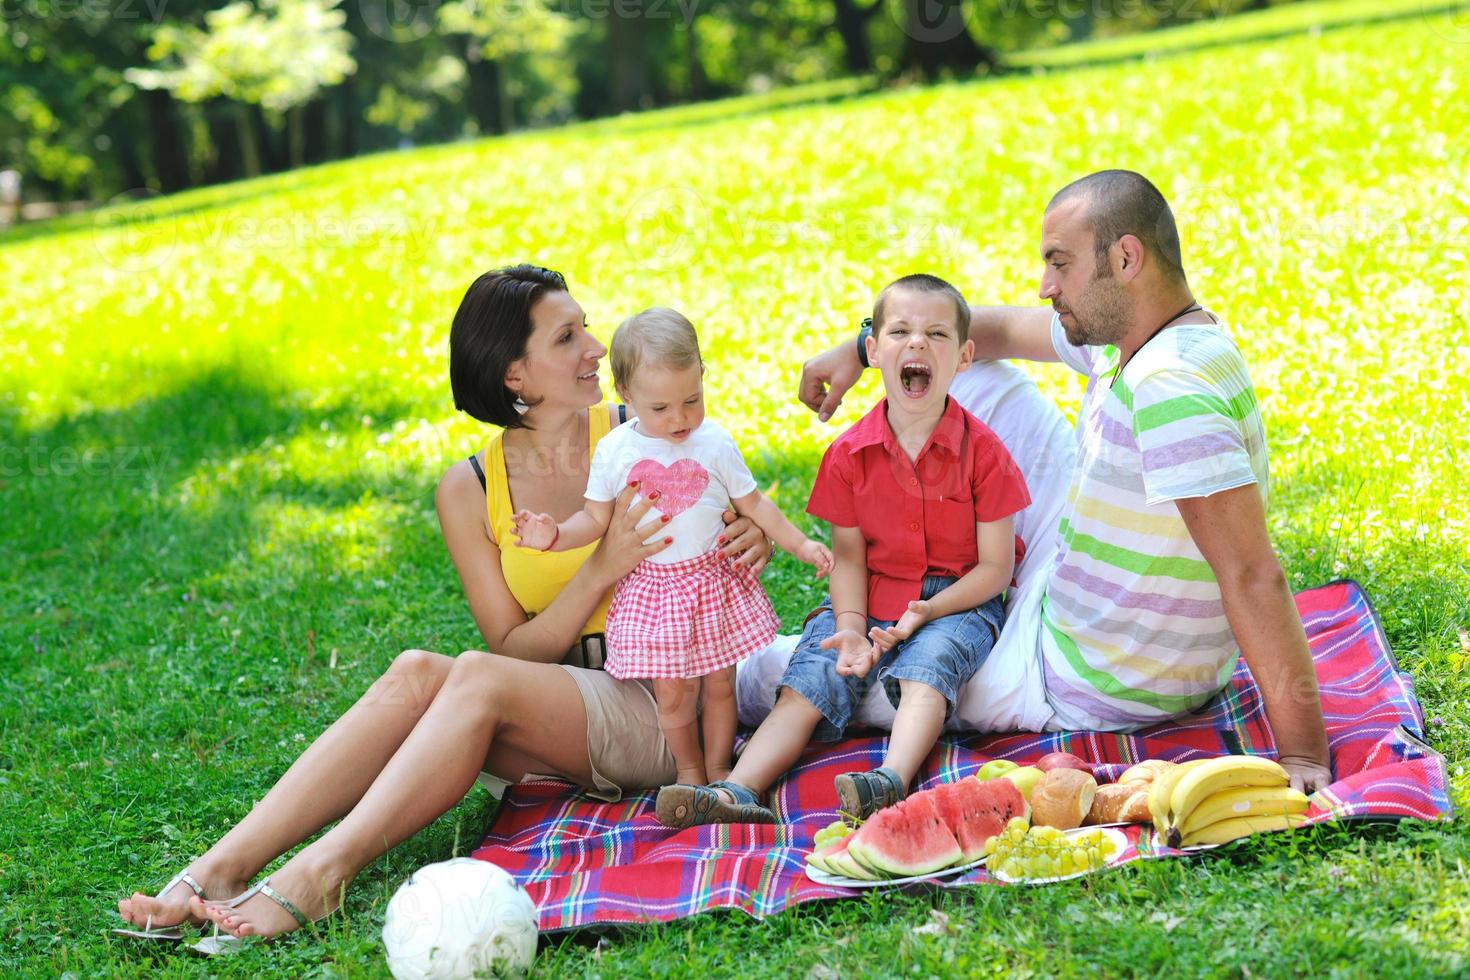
column 222, row 417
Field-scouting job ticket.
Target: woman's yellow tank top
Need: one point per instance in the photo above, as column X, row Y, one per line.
column 535, row 577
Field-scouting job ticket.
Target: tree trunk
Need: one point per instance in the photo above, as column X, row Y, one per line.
column 170, row 157
column 629, row 62
column 692, row 66
column 223, row 161
column 316, row 130
column 249, row 145
column 937, row 40
column 507, row 106
column 347, row 115
column 852, row 27
column 295, row 136
column 485, row 90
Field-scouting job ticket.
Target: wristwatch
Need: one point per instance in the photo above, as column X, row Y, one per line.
column 864, row 333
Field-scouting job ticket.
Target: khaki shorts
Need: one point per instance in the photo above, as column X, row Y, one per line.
column 626, row 750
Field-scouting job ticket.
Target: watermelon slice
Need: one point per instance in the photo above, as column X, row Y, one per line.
column 908, row 839
column 834, row 859
column 818, row 858
column 976, row 811
column 842, row 863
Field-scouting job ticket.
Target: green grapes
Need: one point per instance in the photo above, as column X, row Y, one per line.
column 1046, row 852
column 834, row 831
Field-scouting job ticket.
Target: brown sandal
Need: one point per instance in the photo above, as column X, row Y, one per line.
column 682, row 805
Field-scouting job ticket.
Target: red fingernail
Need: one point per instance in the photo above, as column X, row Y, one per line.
column 653, row 496
column 668, row 540
column 664, row 518
column 720, row 539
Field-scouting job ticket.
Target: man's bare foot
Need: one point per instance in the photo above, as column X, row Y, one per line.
column 180, row 904
column 314, row 888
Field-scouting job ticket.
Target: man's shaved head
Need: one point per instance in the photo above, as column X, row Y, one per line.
column 1121, row 202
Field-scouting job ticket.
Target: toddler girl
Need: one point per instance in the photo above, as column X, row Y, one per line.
column 684, row 617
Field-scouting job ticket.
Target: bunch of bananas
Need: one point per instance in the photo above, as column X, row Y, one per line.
column 1213, row 801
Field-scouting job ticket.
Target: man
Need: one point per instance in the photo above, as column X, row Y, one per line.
column 1165, row 571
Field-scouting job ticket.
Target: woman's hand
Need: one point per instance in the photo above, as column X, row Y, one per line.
column 624, row 544
column 744, row 542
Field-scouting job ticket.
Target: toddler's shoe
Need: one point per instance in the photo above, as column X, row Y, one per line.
column 862, row 794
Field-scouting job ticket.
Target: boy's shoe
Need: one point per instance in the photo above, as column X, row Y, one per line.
column 682, row 805
column 862, row 794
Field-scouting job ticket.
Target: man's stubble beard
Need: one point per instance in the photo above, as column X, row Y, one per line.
column 1102, row 314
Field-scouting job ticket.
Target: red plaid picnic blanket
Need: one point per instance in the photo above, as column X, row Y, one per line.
column 585, row 862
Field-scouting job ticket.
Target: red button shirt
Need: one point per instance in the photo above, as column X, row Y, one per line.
column 918, row 518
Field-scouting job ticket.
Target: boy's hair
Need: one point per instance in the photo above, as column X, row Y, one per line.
column 658, row 335
column 490, row 331
column 921, row 282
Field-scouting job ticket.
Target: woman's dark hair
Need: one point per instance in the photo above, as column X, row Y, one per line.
column 490, row 331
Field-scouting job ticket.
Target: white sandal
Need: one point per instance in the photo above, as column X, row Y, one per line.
column 169, row 934
column 223, row 945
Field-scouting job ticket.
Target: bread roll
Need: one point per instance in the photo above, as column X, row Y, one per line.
column 1145, row 772
column 1120, row 803
column 1062, row 799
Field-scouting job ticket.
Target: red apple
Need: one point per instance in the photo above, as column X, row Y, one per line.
column 1062, row 760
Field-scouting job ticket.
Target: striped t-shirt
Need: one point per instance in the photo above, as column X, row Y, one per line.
column 1132, row 626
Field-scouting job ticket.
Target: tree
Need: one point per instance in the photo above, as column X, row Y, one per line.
column 514, row 50
column 937, row 40
column 852, row 27
column 277, row 56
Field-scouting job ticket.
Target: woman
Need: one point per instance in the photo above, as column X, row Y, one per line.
column 411, row 747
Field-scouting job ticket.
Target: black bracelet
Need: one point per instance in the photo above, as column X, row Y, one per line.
column 864, row 333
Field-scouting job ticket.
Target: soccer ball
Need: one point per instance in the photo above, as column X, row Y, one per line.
column 457, row 919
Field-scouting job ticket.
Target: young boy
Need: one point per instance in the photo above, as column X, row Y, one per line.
column 920, row 495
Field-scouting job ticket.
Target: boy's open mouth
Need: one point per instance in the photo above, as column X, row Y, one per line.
column 914, row 377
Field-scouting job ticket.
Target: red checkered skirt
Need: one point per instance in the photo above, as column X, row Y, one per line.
column 687, row 618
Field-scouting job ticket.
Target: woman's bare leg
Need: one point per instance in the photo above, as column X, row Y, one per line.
column 533, row 709
column 678, row 718
column 322, row 784
column 717, row 722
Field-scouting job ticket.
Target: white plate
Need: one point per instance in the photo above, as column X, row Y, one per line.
column 1119, row 839
column 842, row 881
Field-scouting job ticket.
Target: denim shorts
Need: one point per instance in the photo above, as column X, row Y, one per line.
column 943, row 654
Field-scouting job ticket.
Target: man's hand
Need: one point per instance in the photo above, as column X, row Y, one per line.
column 855, row 655
column 1306, row 774
column 536, row 531
column 827, row 377
column 908, row 624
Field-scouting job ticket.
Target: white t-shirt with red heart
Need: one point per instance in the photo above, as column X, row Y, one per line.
column 696, row 480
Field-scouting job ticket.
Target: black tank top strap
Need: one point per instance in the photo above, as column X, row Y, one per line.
column 479, row 470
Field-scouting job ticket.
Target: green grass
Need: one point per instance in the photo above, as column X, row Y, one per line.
column 1200, row 31
column 222, row 416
